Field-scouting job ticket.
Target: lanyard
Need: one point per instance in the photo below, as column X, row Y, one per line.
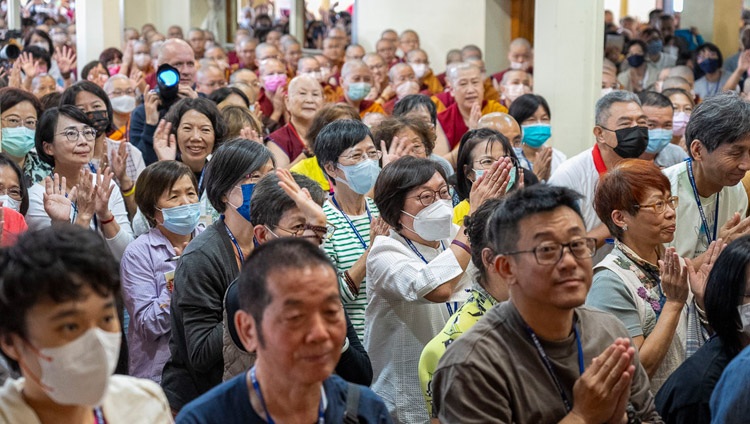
column 551, row 369
column 525, row 159
column 237, row 245
column 452, row 306
column 99, row 416
column 200, row 182
column 349, row 221
column 691, row 177
column 256, row 386
column 601, row 168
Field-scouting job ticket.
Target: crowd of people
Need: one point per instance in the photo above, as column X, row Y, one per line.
column 261, row 234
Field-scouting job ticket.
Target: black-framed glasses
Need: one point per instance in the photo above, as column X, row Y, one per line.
column 428, row 197
column 299, row 231
column 551, row 253
column 487, row 162
column 73, row 134
column 660, row 206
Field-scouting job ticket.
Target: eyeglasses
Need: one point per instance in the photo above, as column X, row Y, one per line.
column 217, row 83
column 118, row 93
column 13, row 192
column 359, row 157
column 13, row 122
column 487, row 162
column 72, row 134
column 551, row 253
column 661, row 205
column 428, row 197
column 299, row 231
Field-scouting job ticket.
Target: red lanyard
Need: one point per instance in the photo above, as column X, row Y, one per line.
column 601, row 168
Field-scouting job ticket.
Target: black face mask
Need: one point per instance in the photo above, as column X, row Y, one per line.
column 100, row 120
column 631, row 141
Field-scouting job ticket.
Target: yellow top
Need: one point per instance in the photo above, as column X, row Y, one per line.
column 309, row 167
column 460, row 211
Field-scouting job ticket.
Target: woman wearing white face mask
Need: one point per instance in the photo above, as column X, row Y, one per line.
column 168, row 199
column 60, row 329
column 416, row 276
column 121, row 92
column 14, row 202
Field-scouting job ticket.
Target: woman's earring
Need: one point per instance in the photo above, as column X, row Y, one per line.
column 625, row 227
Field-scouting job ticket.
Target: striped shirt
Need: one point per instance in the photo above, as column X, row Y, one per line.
column 344, row 249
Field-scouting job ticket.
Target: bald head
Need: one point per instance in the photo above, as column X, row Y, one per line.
column 389, row 35
column 303, row 81
column 675, row 82
column 352, row 66
column 307, row 65
column 453, row 56
column 271, row 66
column 399, row 69
column 178, row 53
column 265, row 51
column 408, row 41
column 683, row 71
column 520, row 54
column 504, row 124
column 471, row 51
column 354, row 51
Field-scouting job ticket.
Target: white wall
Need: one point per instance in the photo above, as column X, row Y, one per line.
column 441, row 24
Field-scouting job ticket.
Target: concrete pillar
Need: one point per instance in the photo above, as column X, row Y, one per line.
column 99, row 25
column 717, row 20
column 14, row 14
column 568, row 46
column 297, row 20
column 442, row 25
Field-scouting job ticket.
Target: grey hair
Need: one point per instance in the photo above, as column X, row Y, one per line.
column 236, row 74
column 451, row 72
column 111, row 81
column 604, row 104
column 351, row 65
column 391, row 72
column 720, row 119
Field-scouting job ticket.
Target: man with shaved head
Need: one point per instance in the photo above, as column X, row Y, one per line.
column 292, row 51
column 289, row 144
column 504, row 124
column 197, row 39
column 490, row 92
column 177, row 53
column 514, row 84
column 467, row 88
column 209, row 78
column 471, row 51
column 356, row 82
column 266, row 51
column 309, row 65
column 387, row 50
column 520, row 56
column 453, row 56
column 420, row 63
column 354, row 52
column 408, row 41
column 245, row 49
column 247, row 81
column 219, row 55
column 403, row 81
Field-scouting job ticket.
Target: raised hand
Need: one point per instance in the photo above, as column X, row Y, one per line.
column 57, row 205
column 250, row 134
column 492, row 184
column 151, row 104
column 102, row 192
column 66, row 59
column 85, row 197
column 140, row 82
column 699, row 277
column 165, row 143
column 14, row 80
column 28, row 64
column 313, row 212
column 734, row 228
column 674, row 277
column 543, row 163
column 475, row 116
column 378, row 227
column 400, row 146
column 120, row 162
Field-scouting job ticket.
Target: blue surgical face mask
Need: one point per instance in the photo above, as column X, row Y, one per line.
column 512, row 179
column 18, row 141
column 658, row 138
column 247, row 194
column 358, row 91
column 478, row 174
column 182, row 219
column 360, row 177
column 535, row 135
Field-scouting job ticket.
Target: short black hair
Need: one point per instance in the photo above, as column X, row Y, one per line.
column 270, row 202
column 71, row 93
column 50, row 100
column 54, row 263
column 274, row 257
column 47, row 125
column 464, row 159
column 524, row 107
column 415, row 101
column 156, row 179
column 203, row 106
column 641, row 43
column 654, row 99
column 89, row 67
column 503, row 230
column 396, row 180
column 6, row 161
column 221, row 94
column 327, row 114
column 476, row 230
column 229, row 164
column 710, row 47
column 335, row 138
column 10, row 97
column 39, row 53
column 725, row 290
column 720, row 119
column 40, row 33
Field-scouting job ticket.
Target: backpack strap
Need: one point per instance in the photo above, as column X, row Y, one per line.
column 352, row 404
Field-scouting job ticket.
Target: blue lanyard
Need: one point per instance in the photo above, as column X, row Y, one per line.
column 99, row 416
column 691, row 177
column 256, row 386
column 525, row 159
column 237, row 245
column 452, row 306
column 551, row 369
column 349, row 221
column 200, row 181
